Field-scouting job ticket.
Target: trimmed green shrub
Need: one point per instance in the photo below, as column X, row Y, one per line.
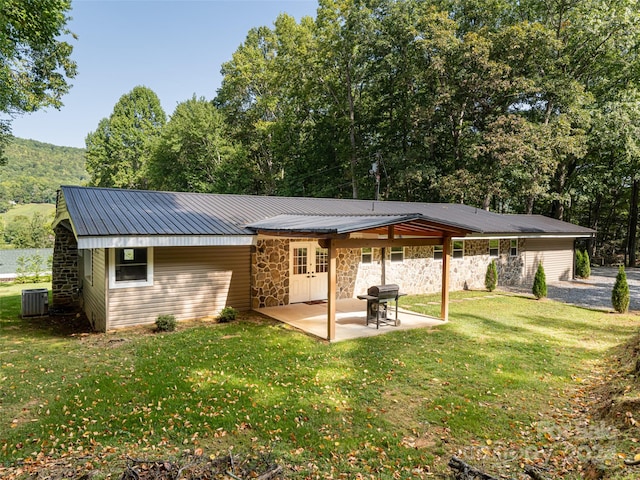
column 227, row 314
column 583, row 264
column 540, row 283
column 166, row 323
column 491, row 278
column 620, row 294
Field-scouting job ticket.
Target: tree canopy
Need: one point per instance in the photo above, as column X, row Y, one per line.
column 516, row 106
column 35, row 62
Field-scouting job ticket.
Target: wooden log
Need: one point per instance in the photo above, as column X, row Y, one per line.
column 534, row 473
column 274, row 472
column 466, row 471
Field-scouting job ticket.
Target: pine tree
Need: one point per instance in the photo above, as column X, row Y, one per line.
column 491, row 278
column 540, row 283
column 620, row 293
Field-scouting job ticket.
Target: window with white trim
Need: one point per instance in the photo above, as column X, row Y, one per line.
column 513, row 247
column 366, row 255
column 397, row 254
column 131, row 267
column 494, row 247
column 458, row 249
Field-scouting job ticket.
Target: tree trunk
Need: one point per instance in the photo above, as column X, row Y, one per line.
column 632, row 237
column 352, row 132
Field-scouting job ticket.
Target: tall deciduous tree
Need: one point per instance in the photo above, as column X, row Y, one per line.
column 35, row 63
column 118, row 150
column 193, row 152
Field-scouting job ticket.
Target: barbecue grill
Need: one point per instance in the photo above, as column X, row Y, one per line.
column 378, row 298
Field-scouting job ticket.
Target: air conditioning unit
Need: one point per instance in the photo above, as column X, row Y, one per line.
column 35, row 302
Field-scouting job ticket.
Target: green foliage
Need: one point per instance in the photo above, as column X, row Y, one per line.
column 35, row 61
column 540, row 283
column 119, row 149
column 227, row 314
column 194, row 152
column 620, row 294
column 30, row 269
column 36, row 170
column 24, row 232
column 166, row 323
column 491, row 277
column 583, row 264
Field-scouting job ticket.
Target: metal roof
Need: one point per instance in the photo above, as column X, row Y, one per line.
column 97, row 212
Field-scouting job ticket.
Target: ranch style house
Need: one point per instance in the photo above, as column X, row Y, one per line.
column 125, row 257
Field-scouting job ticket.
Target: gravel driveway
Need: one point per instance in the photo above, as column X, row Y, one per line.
column 595, row 292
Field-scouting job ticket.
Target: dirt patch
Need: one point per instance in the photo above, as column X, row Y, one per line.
column 617, row 396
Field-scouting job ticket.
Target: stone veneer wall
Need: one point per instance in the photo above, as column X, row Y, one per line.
column 270, row 273
column 418, row 273
column 64, row 277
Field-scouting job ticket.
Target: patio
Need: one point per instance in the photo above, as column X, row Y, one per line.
column 350, row 319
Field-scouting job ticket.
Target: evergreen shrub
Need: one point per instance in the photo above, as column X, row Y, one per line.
column 491, row 278
column 620, row 294
column 540, row 283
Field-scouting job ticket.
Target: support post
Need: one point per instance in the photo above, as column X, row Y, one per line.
column 383, row 266
column 331, row 291
column 446, row 261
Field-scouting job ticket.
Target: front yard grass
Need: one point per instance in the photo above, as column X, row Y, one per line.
column 505, row 382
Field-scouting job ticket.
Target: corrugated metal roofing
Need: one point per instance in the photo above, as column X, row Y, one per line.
column 328, row 224
column 115, row 212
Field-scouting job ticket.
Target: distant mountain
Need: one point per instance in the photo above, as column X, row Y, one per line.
column 35, row 171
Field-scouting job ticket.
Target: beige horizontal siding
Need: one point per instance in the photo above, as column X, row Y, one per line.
column 93, row 293
column 556, row 255
column 189, row 282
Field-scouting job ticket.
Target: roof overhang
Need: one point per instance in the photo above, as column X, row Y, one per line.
column 86, row 243
column 341, row 226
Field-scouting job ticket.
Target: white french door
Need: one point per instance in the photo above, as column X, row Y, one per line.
column 308, row 272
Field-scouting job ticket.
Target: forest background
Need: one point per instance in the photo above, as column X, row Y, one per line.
column 518, row 107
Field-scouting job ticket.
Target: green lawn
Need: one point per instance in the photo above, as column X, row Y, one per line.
column 500, row 385
column 28, row 210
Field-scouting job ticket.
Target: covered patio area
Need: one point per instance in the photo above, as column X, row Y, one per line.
column 350, row 319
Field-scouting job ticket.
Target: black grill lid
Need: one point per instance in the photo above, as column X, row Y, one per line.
column 384, row 291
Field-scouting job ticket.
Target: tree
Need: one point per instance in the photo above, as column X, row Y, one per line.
column 25, row 232
column 491, row 278
column 35, row 63
column 620, row 292
column 194, row 153
column 540, row 283
column 118, row 150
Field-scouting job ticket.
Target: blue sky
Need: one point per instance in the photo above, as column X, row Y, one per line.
column 174, row 47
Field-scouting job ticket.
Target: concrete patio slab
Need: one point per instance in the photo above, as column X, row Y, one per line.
column 350, row 319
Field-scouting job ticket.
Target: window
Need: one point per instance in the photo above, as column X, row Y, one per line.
column 300, row 261
column 87, row 265
column 322, row 260
column 494, row 248
column 513, row 248
column 366, row 255
column 397, row 254
column 130, row 267
column 437, row 252
column 458, row 249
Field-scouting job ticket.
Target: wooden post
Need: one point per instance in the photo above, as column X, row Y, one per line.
column 331, row 292
column 446, row 260
column 383, row 266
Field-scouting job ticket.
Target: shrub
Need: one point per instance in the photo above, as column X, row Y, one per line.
column 540, row 283
column 227, row 314
column 166, row 323
column 583, row 264
column 491, row 278
column 620, row 293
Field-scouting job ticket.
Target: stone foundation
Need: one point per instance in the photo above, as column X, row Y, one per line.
column 65, row 283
